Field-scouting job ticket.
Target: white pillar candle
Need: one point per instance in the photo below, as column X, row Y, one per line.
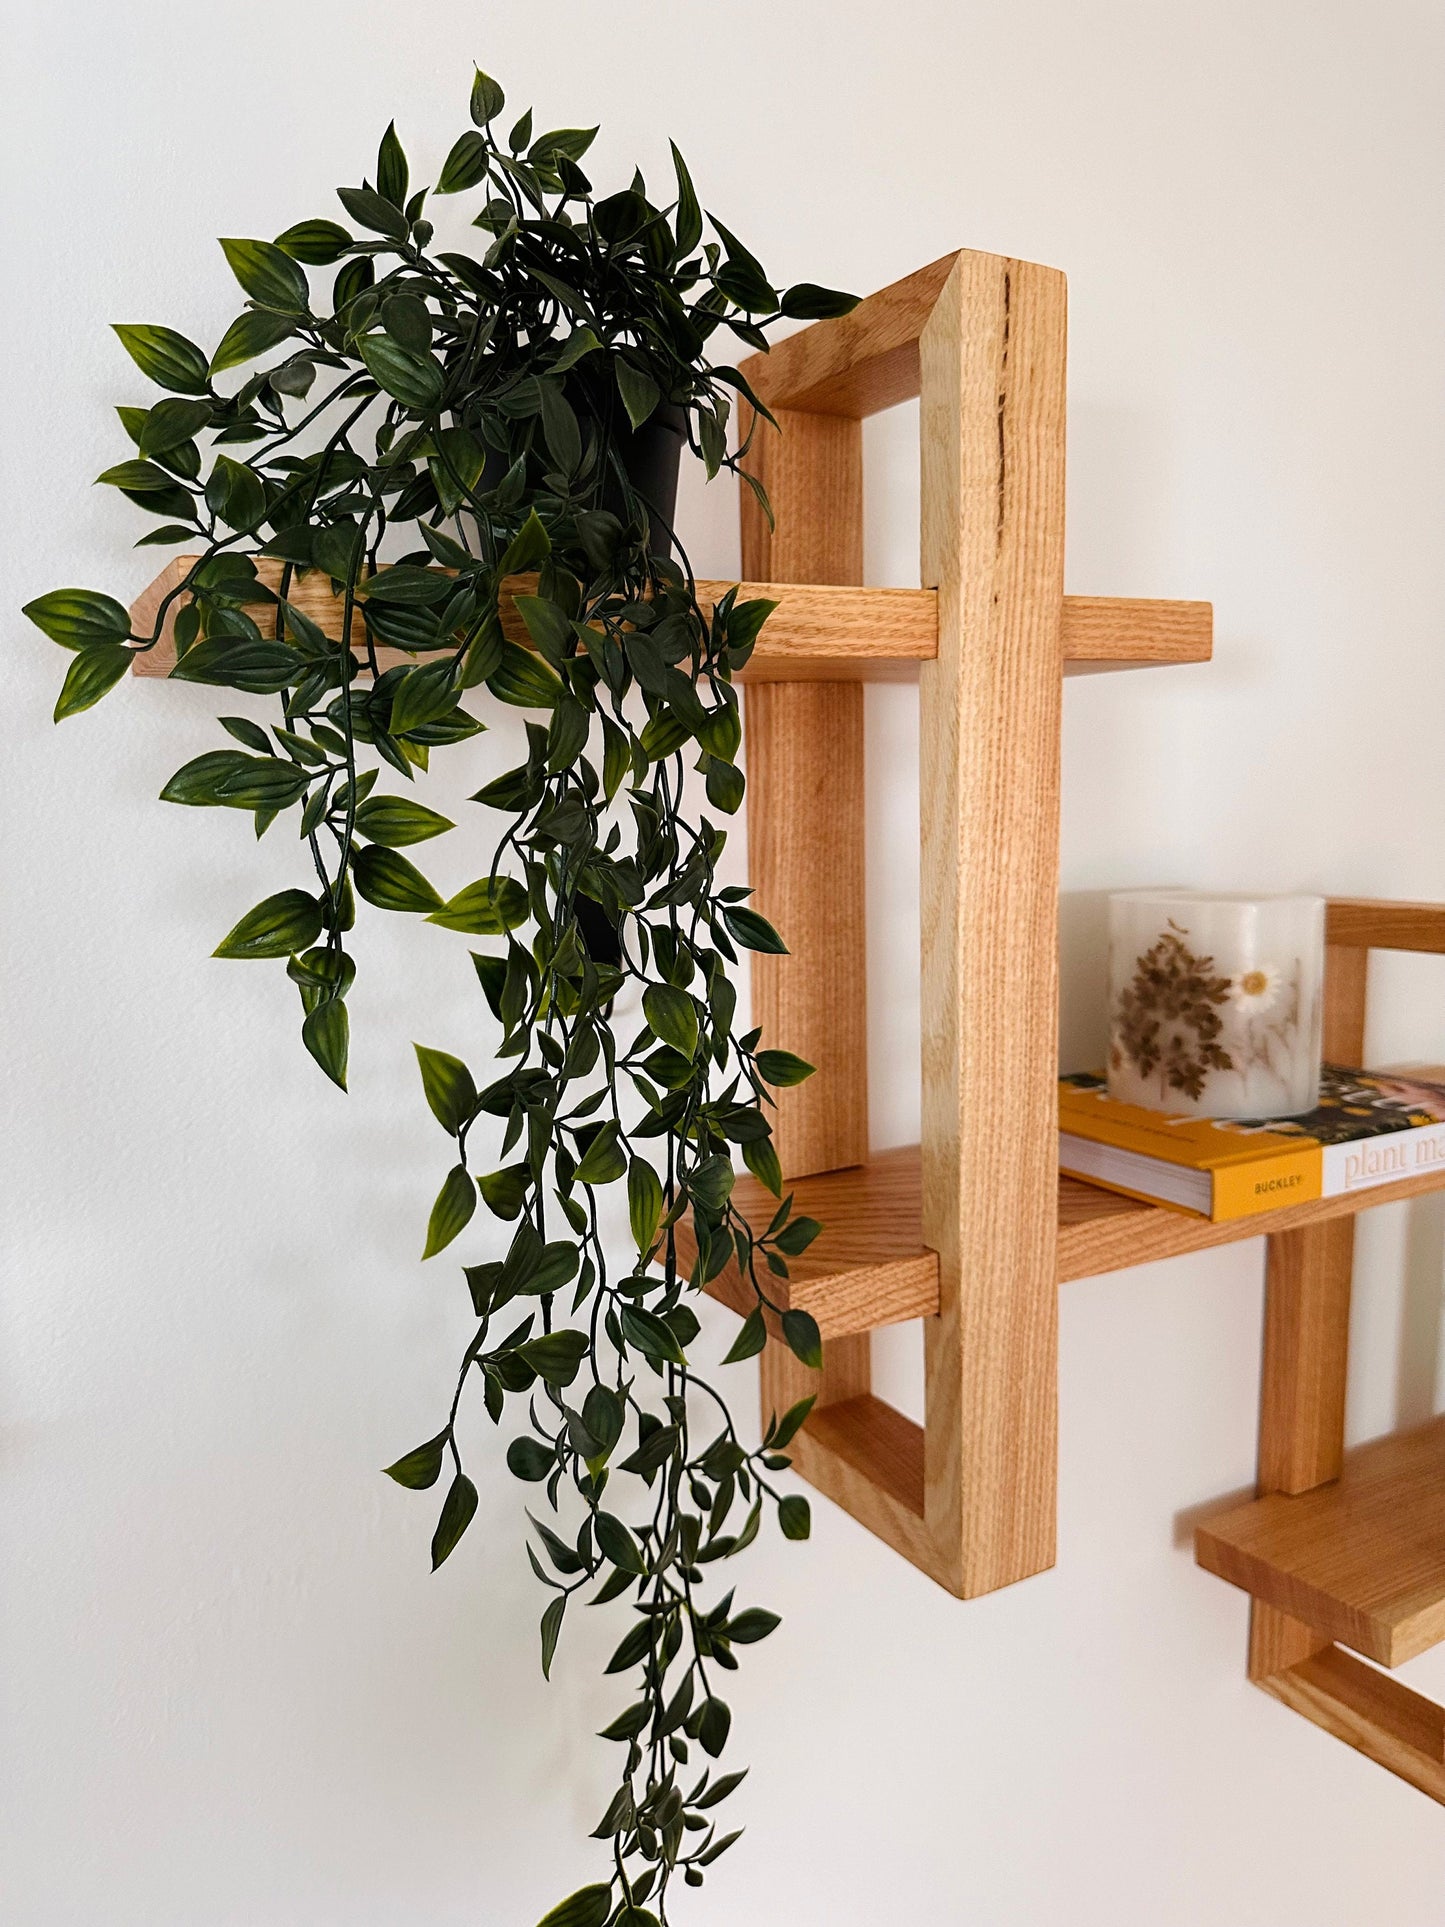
column 1215, row 1002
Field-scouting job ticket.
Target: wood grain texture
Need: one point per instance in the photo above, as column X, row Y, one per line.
column 1276, row 1641
column 1117, row 632
column 863, row 362
column 992, row 434
column 1100, row 1231
column 1361, row 1560
column 869, row 1265
column 803, row 744
column 1307, row 1293
column 820, row 631
column 1378, row 1716
column 1364, row 923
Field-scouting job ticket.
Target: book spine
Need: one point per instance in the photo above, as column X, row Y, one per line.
column 1383, row 1160
column 1266, row 1183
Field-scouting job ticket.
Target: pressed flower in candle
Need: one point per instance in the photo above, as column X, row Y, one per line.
column 1215, row 1004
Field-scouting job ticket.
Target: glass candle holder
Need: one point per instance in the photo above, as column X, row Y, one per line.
column 1215, row 1002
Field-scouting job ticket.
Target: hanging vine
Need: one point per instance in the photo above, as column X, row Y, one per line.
column 489, row 413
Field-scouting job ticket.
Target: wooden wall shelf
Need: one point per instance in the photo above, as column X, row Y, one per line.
column 1361, row 1560
column 973, row 1230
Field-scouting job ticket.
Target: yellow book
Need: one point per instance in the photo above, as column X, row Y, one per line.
column 1368, row 1129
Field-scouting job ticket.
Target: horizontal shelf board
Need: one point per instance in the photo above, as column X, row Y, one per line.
column 1363, row 923
column 1101, row 1231
column 1361, row 1560
column 875, row 1440
column 868, row 1267
column 819, row 632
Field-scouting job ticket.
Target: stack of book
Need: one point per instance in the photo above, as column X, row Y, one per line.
column 1369, row 1128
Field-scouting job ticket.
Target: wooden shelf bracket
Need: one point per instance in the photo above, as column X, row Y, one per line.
column 980, row 339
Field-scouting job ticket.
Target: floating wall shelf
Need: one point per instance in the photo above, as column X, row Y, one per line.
column 973, row 1231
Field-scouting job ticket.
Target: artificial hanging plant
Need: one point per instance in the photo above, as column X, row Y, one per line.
column 448, row 423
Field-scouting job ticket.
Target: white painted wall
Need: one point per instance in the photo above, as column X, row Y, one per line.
column 231, row 1693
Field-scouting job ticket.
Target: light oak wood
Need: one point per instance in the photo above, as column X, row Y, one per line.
column 820, row 632
column 1361, row 1560
column 1277, row 1642
column 865, row 361
column 1364, row 923
column 869, row 1265
column 803, row 744
column 992, row 433
column 1380, row 1717
column 1307, row 1293
column 1101, row 1231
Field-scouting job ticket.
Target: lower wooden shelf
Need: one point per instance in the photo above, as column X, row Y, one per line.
column 1361, row 1560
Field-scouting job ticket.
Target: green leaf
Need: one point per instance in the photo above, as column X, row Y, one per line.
column 372, row 211
column 172, row 422
column 529, row 546
column 391, row 883
column 421, row 1468
column 249, row 335
column 796, row 1235
column 318, row 243
column 795, row 1516
column 687, row 222
column 713, row 1728
column 726, row 786
column 761, row 1158
column 604, row 1160
column 456, row 1201
column 751, row 1339
column 752, row 931
column 326, row 1033
column 616, row 1543
column 781, row 1068
column 230, row 779
column 603, row 1414
column 95, row 669
column 449, row 1088
column 79, row 618
column 551, row 1627
column 672, row 1014
column 396, row 821
column 405, row 582
column 529, row 1459
column 268, row 274
column 277, row 927
column 524, row 680
column 415, row 380
column 640, row 393
column 458, row 1509
column 466, row 164
column 546, row 625
column 240, row 662
column 391, row 168
column 805, row 301
column 649, row 1334
column 556, row 1356
column 141, row 478
column 644, row 1203
column 488, row 100
column 485, row 908
column 589, row 1906
column 800, row 1329
column 751, row 1626
column 169, row 359
column 236, row 494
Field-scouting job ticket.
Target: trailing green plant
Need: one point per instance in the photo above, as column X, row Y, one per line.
column 448, row 424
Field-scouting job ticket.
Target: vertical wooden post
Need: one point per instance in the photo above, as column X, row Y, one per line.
column 993, row 442
column 1307, row 1337
column 805, row 801
column 804, row 743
